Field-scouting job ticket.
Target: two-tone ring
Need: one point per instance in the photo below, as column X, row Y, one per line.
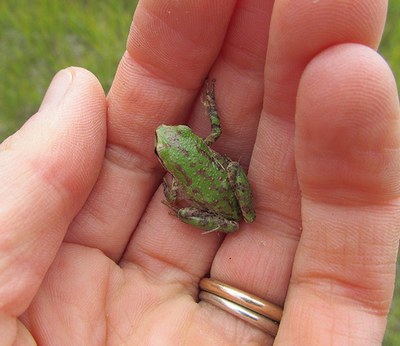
column 248, row 307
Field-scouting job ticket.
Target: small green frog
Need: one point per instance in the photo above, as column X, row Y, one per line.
column 207, row 190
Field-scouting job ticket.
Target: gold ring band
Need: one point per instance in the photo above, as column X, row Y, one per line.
column 248, row 307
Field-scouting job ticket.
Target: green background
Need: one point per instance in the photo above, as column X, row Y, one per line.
column 40, row 37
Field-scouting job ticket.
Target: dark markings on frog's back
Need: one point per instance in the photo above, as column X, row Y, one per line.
column 202, row 172
column 183, row 151
column 183, row 173
column 205, row 154
column 196, row 191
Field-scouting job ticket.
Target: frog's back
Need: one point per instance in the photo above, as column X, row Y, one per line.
column 199, row 170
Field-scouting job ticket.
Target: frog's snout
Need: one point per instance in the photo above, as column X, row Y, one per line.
column 158, row 136
column 169, row 136
column 161, row 139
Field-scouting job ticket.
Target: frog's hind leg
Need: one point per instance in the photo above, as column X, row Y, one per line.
column 206, row 221
column 212, row 112
column 242, row 189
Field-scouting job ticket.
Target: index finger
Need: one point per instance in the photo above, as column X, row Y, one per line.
column 170, row 49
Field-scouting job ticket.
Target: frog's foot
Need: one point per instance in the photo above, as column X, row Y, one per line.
column 242, row 189
column 207, row 221
column 212, row 112
column 210, row 231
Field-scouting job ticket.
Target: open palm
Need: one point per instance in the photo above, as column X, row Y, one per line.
column 90, row 256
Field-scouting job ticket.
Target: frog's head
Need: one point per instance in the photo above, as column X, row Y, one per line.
column 168, row 142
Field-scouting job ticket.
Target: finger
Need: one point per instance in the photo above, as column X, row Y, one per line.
column 239, row 74
column 165, row 239
column 259, row 258
column 171, row 46
column 48, row 170
column 348, row 159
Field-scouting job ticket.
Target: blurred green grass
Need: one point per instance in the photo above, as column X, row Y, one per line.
column 40, row 37
column 390, row 46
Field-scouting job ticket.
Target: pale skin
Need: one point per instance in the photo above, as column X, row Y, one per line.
column 88, row 253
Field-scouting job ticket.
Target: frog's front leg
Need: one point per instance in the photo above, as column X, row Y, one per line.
column 242, row 189
column 212, row 112
column 170, row 193
column 206, row 221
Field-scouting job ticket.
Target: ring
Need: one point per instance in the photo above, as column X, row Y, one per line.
column 248, row 307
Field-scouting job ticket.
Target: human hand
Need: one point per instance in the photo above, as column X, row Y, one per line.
column 89, row 255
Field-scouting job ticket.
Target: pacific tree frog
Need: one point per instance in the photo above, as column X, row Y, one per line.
column 207, row 190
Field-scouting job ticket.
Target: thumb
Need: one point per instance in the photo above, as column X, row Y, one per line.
column 47, row 170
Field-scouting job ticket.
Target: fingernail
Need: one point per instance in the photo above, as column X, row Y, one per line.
column 57, row 89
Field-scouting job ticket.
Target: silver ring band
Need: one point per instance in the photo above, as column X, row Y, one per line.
column 248, row 307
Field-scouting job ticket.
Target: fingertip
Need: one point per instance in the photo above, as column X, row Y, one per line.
column 347, row 125
column 57, row 89
column 69, row 129
column 61, row 146
column 342, row 70
column 63, row 143
column 64, row 81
